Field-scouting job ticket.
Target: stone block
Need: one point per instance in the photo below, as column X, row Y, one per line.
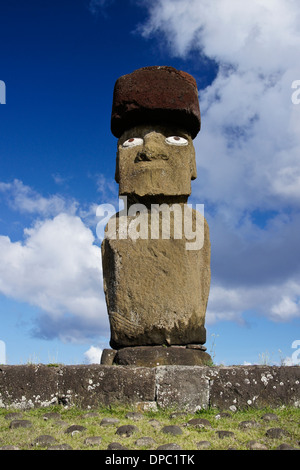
column 153, row 356
column 24, row 387
column 187, row 388
column 93, row 385
column 239, row 387
column 181, row 387
column 28, row 386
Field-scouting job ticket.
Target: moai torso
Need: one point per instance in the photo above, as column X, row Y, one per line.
column 156, row 254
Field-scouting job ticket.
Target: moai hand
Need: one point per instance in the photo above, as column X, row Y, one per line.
column 156, row 288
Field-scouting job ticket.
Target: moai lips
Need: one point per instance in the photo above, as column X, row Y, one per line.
column 156, row 288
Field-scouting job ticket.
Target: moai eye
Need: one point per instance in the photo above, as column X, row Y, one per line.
column 132, row 142
column 176, row 140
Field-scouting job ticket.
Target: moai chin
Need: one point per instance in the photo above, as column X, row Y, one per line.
column 156, row 277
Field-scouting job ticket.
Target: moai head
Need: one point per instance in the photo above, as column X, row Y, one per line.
column 156, row 116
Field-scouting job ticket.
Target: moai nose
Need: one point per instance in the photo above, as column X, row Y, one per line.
column 147, row 154
column 144, row 156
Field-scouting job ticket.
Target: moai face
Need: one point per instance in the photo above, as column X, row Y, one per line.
column 155, row 160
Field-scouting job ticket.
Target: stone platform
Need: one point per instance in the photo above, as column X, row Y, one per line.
column 153, row 356
column 175, row 387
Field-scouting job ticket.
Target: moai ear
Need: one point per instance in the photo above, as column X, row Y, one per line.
column 117, row 173
column 193, row 166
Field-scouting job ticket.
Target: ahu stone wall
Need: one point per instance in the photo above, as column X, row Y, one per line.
column 174, row 387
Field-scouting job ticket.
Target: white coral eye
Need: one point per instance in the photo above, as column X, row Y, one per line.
column 132, row 142
column 176, row 140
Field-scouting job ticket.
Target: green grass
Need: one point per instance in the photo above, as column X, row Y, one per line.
column 288, row 419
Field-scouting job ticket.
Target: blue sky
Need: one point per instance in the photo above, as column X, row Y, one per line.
column 59, row 62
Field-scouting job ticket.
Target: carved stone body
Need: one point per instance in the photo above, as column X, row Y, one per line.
column 156, row 289
column 156, row 254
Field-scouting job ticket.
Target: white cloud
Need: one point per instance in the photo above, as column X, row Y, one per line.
column 26, row 200
column 2, row 352
column 248, row 162
column 278, row 303
column 93, row 355
column 249, row 143
column 106, row 187
column 57, row 269
column 59, row 179
column 248, row 148
column 228, row 30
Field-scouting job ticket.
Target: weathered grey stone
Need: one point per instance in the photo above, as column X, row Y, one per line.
column 61, row 423
column 51, row 415
column 225, row 434
column 223, row 414
column 285, row 446
column 107, row 357
column 170, row 446
column 190, row 392
column 134, row 416
column 196, row 346
column 178, row 414
column 199, row 423
column 203, row 445
column 145, row 442
column 154, row 423
column 75, row 428
column 255, row 445
column 248, row 424
column 116, row 446
column 109, row 421
column 168, row 303
column 269, row 417
column 9, row 447
column 127, row 430
column 20, row 423
column 277, row 433
column 93, row 441
column 91, row 414
column 146, row 406
column 43, row 441
column 14, row 415
column 97, row 384
column 238, row 387
column 185, row 388
column 60, row 447
column 153, row 356
column 172, row 429
column 28, row 386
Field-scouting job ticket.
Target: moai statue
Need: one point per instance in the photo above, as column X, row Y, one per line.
column 156, row 252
